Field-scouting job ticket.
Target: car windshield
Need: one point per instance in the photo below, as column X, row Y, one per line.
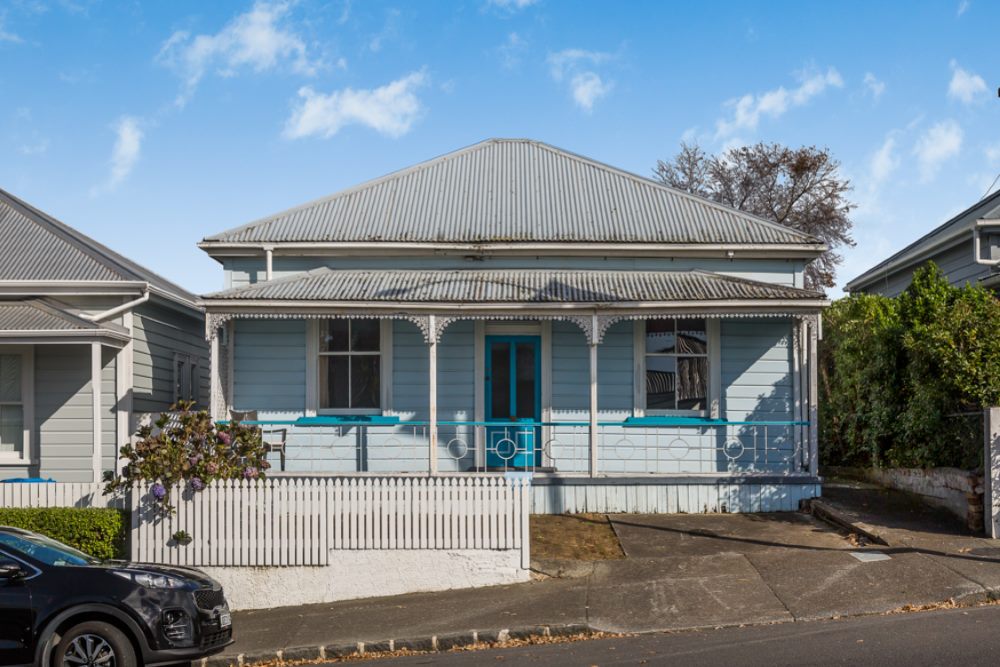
column 45, row 549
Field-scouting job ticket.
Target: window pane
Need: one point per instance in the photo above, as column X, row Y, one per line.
column 11, row 428
column 692, row 380
column 364, row 335
column 500, row 407
column 334, row 336
column 526, row 381
column 692, row 337
column 10, row 377
column 661, row 383
column 660, row 336
column 334, row 379
column 364, row 381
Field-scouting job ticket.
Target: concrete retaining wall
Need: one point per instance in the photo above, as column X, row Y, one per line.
column 360, row 574
column 958, row 491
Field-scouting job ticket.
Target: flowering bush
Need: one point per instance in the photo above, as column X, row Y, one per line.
column 189, row 448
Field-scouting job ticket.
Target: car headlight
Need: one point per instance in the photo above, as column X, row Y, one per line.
column 151, row 579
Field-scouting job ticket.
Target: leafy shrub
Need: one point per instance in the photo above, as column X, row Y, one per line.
column 99, row 532
column 903, row 379
column 189, row 448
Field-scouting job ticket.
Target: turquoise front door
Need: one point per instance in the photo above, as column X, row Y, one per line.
column 513, row 400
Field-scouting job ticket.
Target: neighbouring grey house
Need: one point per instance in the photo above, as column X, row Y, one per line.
column 89, row 342
column 512, row 308
column 966, row 248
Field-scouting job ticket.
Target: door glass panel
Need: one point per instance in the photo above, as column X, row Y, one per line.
column 661, row 383
column 11, row 428
column 692, row 383
column 500, row 407
column 526, row 381
column 364, row 381
column 10, row 377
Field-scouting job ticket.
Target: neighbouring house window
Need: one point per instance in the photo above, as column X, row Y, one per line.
column 187, row 378
column 676, row 365
column 12, row 404
column 350, row 361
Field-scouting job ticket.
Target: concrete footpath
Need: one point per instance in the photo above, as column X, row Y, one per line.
column 681, row 572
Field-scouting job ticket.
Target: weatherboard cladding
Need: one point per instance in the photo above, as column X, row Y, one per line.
column 507, row 190
column 476, row 286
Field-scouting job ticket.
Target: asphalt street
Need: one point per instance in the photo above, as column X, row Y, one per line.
column 966, row 637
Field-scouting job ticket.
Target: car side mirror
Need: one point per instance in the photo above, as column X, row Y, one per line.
column 11, row 572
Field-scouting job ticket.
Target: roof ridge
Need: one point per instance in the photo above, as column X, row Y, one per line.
column 113, row 261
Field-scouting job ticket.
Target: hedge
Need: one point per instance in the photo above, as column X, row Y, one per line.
column 904, row 380
column 99, row 532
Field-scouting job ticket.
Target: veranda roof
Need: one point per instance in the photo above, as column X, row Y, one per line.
column 40, row 317
column 471, row 286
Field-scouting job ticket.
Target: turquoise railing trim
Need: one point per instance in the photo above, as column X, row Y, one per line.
column 630, row 422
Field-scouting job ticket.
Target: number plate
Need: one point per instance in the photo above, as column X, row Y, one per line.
column 225, row 619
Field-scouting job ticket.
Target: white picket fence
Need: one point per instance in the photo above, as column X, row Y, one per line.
column 295, row 521
column 63, row 494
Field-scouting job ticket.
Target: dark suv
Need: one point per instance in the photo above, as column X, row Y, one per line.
column 62, row 608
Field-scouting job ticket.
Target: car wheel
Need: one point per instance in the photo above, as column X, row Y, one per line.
column 94, row 644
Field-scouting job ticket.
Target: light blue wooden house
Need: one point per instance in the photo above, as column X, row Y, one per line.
column 91, row 344
column 512, row 308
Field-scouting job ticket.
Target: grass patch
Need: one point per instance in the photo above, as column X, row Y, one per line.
column 574, row 537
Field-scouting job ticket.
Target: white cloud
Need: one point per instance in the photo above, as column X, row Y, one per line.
column 748, row 109
column 587, row 88
column 257, row 39
column 36, row 148
column 965, row 86
column 389, row 30
column 390, row 109
column 884, row 161
column 993, row 153
column 511, row 5
column 512, row 50
column 124, row 154
column 939, row 143
column 6, row 35
column 576, row 65
column 963, row 7
column 875, row 86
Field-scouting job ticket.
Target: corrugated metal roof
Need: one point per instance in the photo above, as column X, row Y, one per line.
column 37, row 316
column 512, row 286
column 36, row 246
column 513, row 190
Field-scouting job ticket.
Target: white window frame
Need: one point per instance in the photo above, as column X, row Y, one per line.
column 187, row 369
column 314, row 356
column 714, row 356
column 27, row 403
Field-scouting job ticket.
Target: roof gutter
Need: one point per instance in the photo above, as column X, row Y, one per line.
column 726, row 250
column 129, row 305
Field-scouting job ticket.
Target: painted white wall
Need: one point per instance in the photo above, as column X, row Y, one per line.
column 361, row 574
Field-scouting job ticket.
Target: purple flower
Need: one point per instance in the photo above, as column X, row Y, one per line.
column 212, row 468
column 249, row 473
column 159, row 491
column 197, row 484
column 194, row 460
column 225, row 438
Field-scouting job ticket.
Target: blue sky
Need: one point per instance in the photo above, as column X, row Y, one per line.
column 150, row 125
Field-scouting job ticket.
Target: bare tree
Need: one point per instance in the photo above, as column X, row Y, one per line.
column 800, row 188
